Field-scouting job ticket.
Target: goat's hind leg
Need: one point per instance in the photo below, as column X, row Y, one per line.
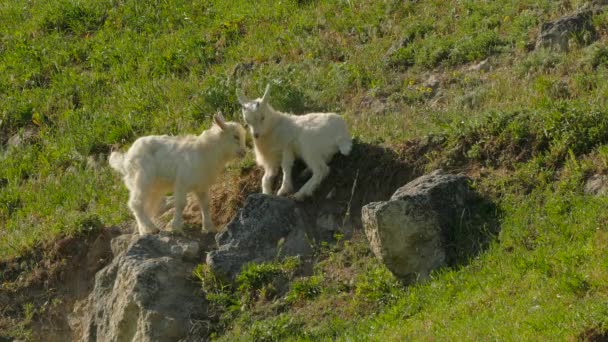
column 137, row 203
column 319, row 172
column 152, row 205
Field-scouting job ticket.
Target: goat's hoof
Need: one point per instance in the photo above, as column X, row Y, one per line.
column 211, row 230
column 148, row 232
column 283, row 192
column 177, row 232
column 176, row 229
column 298, row 197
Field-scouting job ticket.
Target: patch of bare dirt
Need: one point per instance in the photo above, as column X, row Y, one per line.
column 228, row 195
column 40, row 287
column 593, row 335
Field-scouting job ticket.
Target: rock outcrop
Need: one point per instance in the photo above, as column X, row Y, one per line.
column 597, row 185
column 556, row 34
column 483, row 66
column 145, row 294
column 410, row 232
column 265, row 228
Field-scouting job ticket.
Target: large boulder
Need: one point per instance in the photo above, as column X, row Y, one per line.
column 146, row 294
column 265, row 228
column 410, row 232
column 556, row 34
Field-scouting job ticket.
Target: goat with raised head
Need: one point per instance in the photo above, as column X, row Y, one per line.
column 279, row 138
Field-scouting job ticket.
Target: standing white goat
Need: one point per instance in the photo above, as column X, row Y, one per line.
column 157, row 164
column 279, row 138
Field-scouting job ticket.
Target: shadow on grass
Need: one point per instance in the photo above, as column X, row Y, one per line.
column 369, row 173
column 472, row 232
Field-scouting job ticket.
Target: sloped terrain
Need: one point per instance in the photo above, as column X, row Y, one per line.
column 466, row 86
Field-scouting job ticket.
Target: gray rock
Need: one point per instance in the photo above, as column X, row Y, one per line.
column 28, row 134
column 327, row 221
column 408, row 233
column 556, row 34
column 597, row 185
column 145, row 294
column 431, row 82
column 254, row 235
column 484, row 66
column 96, row 162
column 191, row 250
column 120, row 243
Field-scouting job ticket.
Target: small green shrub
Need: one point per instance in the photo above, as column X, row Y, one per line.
column 69, row 16
column 254, row 277
column 402, row 57
column 474, row 47
column 305, row 289
column 597, row 55
column 377, row 286
column 256, row 280
column 275, row 329
column 540, row 61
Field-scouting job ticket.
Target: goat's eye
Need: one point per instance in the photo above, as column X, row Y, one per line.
column 262, row 119
column 236, row 137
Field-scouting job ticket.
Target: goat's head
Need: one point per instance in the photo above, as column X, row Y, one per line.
column 233, row 134
column 256, row 112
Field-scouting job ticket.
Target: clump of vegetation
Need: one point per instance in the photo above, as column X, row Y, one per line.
column 305, row 288
column 261, row 280
column 256, row 282
column 347, row 281
column 80, row 78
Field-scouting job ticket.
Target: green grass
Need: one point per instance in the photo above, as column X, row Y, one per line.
column 90, row 76
column 543, row 277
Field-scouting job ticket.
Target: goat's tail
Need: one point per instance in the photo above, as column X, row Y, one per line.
column 117, row 162
column 345, row 145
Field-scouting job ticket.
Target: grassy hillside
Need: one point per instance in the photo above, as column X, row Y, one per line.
column 80, row 77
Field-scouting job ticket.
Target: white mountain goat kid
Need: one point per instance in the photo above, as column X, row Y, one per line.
column 157, row 164
column 279, row 138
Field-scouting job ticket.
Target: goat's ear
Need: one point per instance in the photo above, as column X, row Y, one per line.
column 266, row 93
column 241, row 97
column 218, row 119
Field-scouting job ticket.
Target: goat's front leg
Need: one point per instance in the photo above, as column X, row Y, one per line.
column 286, row 165
column 203, row 203
column 269, row 173
column 180, row 203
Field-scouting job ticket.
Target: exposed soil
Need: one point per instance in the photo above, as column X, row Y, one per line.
column 48, row 280
column 594, row 335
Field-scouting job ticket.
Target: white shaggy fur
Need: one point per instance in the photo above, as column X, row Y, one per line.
column 157, row 164
column 279, row 138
